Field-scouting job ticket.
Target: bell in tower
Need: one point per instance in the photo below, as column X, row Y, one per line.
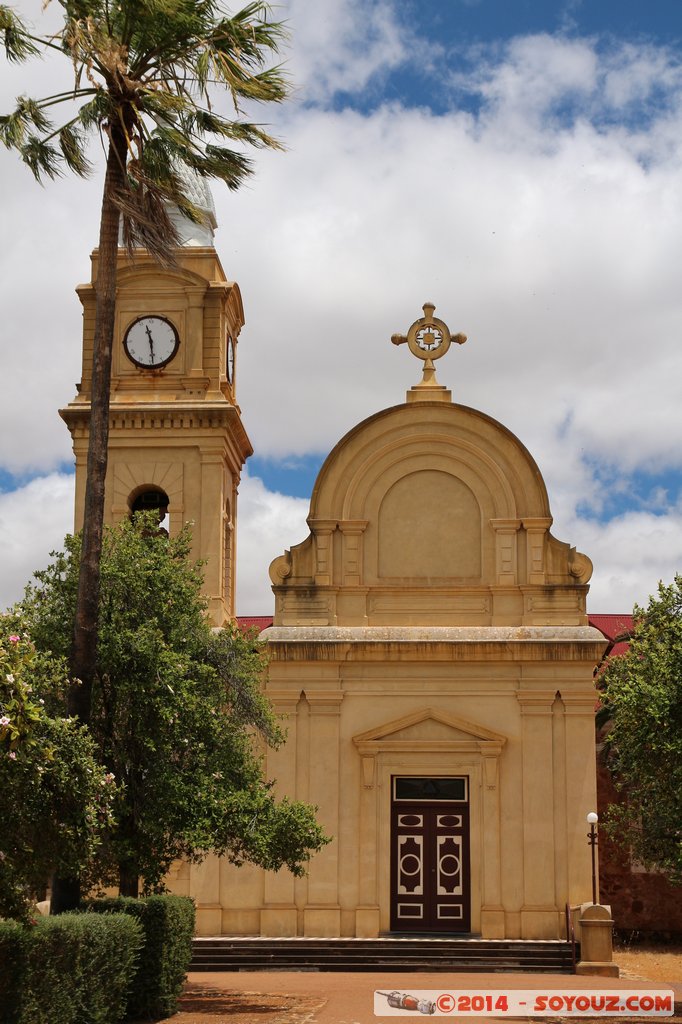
column 176, row 441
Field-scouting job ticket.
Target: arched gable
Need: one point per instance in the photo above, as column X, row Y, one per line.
column 430, row 513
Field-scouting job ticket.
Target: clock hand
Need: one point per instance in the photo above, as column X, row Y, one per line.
column 151, row 342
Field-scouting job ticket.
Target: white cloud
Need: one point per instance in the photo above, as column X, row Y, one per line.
column 630, row 555
column 536, row 73
column 635, row 74
column 553, row 242
column 34, row 520
column 267, row 524
column 342, row 45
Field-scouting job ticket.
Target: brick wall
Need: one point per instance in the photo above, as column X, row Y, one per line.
column 640, row 901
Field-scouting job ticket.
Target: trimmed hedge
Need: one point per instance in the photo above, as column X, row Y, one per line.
column 72, row 969
column 168, row 926
column 14, row 941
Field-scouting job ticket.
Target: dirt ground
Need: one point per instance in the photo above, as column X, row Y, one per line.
column 202, row 1003
column 655, row 963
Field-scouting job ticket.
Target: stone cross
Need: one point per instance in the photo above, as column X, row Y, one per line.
column 428, row 338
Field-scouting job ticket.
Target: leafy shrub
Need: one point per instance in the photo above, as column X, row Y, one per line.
column 13, row 962
column 60, row 796
column 168, row 926
column 73, row 969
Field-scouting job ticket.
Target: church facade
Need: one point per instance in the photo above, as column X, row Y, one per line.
column 430, row 650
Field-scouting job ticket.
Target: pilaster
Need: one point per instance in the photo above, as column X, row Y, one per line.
column 204, row 888
column 581, row 788
column 209, row 538
column 322, row 914
column 351, row 558
column 536, row 532
column 506, row 553
column 278, row 916
column 492, row 911
column 538, row 914
column 323, row 530
column 367, row 916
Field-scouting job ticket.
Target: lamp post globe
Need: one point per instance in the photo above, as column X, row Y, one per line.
column 592, row 819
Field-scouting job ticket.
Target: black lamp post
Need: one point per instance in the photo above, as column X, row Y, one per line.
column 592, row 819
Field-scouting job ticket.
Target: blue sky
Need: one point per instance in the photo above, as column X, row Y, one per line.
column 517, row 162
column 463, row 29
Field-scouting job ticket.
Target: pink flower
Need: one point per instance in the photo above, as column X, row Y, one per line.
column 13, row 755
column 4, row 720
column 14, row 639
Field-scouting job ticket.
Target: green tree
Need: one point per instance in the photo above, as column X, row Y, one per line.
column 643, row 703
column 149, row 76
column 56, row 799
column 177, row 714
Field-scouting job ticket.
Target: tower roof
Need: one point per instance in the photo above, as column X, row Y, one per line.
column 199, row 193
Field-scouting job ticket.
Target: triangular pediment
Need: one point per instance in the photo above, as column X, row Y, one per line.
column 429, row 725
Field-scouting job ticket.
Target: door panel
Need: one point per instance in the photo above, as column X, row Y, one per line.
column 430, row 867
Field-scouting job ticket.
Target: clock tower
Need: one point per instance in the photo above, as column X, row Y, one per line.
column 176, row 441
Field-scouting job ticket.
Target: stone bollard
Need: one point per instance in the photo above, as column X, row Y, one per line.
column 596, row 941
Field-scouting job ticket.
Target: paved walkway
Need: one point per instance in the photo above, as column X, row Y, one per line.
column 348, row 998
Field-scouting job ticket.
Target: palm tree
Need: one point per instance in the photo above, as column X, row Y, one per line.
column 148, row 78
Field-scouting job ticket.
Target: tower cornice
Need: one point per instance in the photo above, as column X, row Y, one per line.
column 185, row 416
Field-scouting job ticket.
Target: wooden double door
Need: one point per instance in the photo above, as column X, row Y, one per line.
column 430, row 870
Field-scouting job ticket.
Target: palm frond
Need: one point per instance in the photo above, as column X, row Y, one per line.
column 162, row 105
column 148, row 68
column 166, row 149
column 42, row 158
column 218, row 162
column 230, row 69
column 202, row 122
column 14, row 127
column 250, row 33
column 96, row 111
column 72, row 145
column 15, row 37
column 146, row 223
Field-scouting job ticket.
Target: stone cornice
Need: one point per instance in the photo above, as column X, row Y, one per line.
column 147, row 416
column 438, row 634
column 562, row 644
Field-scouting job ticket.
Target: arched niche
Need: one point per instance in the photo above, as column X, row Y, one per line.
column 429, row 527
column 151, row 499
column 133, row 479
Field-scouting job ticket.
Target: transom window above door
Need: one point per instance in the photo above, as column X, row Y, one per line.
column 423, row 789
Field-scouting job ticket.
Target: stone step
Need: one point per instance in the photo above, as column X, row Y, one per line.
column 229, row 953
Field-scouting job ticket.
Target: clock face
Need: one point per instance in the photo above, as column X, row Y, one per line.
column 230, row 359
column 151, row 342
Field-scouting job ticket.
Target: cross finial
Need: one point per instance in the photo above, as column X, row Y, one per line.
column 428, row 338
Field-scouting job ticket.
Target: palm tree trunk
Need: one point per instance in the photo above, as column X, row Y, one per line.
column 65, row 892
column 84, row 650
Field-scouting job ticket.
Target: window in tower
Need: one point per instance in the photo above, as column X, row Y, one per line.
column 151, row 499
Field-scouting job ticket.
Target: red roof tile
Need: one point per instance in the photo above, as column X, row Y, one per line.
column 612, row 625
column 259, row 622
